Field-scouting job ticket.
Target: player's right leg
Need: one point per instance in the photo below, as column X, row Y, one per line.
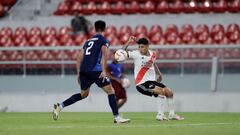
column 71, row 100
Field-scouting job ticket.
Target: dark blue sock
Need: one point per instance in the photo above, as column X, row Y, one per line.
column 113, row 104
column 74, row 98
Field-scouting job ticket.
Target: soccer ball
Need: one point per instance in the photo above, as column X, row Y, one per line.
column 126, row 82
column 120, row 55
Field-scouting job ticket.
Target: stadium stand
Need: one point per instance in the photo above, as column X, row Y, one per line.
column 68, row 7
column 172, row 34
column 5, row 5
column 173, row 28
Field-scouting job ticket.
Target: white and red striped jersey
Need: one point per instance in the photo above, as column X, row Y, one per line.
column 143, row 66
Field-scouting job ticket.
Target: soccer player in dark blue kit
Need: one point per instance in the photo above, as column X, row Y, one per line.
column 115, row 73
column 91, row 68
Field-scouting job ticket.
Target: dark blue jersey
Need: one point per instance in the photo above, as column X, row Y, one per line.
column 93, row 53
column 116, row 69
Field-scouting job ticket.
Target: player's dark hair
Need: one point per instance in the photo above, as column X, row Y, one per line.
column 143, row 41
column 100, row 26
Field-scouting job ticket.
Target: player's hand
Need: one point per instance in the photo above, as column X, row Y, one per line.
column 78, row 78
column 132, row 39
column 103, row 75
column 159, row 79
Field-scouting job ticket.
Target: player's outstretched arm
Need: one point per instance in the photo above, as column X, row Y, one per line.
column 159, row 74
column 130, row 40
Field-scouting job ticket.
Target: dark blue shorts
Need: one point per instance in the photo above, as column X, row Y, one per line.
column 88, row 78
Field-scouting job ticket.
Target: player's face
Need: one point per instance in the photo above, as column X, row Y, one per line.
column 143, row 49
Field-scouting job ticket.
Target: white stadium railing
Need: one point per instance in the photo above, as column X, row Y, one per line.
column 181, row 60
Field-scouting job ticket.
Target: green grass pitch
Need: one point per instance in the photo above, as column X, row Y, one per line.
column 101, row 123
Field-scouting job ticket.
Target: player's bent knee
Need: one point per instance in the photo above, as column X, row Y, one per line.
column 108, row 89
column 84, row 94
column 168, row 92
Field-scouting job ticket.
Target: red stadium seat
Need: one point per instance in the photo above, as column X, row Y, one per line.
column 50, row 31
column 171, row 34
column 104, row 8
column 65, row 40
column 111, row 30
column 140, row 29
column 186, row 28
column 125, row 29
column 191, row 6
column 133, row 7
column 16, row 56
column 118, row 8
column 173, row 54
column 90, row 8
column 171, row 28
column 124, row 38
column 233, row 33
column 220, row 6
column 8, row 2
column 157, row 39
column 62, row 9
column 6, row 31
column 187, row 34
column 216, row 28
column 201, row 28
column 21, row 31
column 234, row 6
column 162, row 7
column 2, row 11
column 80, row 39
column 176, row 7
column 188, row 38
column 155, row 29
column 20, row 41
column 50, row 41
column 204, row 38
column 77, row 7
column 234, row 37
column 219, row 37
column 148, row 7
column 232, row 28
column 113, row 40
column 6, row 41
column 35, row 31
column 33, row 56
column 64, row 30
column 205, row 6
column 35, row 41
column 172, row 38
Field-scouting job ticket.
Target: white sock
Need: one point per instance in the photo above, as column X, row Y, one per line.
column 171, row 106
column 161, row 105
column 61, row 106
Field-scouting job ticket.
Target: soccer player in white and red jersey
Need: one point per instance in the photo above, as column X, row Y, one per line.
column 148, row 78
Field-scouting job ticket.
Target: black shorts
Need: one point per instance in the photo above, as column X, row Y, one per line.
column 88, row 78
column 146, row 88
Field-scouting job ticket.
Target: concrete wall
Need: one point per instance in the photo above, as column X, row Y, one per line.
column 192, row 93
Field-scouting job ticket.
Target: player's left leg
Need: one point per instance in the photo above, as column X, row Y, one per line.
column 168, row 93
column 120, row 93
column 121, row 102
column 113, row 104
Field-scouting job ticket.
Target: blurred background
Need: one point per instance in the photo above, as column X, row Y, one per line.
column 197, row 44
